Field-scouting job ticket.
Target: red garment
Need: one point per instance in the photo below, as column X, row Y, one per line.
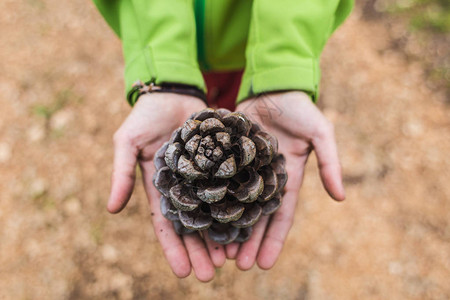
column 222, row 88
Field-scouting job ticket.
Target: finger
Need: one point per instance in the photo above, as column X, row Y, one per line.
column 124, row 174
column 231, row 250
column 172, row 244
column 201, row 263
column 329, row 166
column 216, row 251
column 277, row 231
column 249, row 250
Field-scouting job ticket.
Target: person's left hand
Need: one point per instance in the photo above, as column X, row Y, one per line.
column 300, row 128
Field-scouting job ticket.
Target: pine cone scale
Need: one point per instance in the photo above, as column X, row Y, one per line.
column 247, row 151
column 182, row 198
column 168, row 210
column 188, row 170
column 223, row 233
column 270, row 183
column 272, row 205
column 250, row 216
column 190, row 128
column 227, row 212
column 209, row 125
column 227, row 169
column 195, row 220
column 212, row 194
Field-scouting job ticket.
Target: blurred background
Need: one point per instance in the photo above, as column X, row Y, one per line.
column 386, row 87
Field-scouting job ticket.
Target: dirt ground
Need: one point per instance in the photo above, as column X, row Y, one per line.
column 61, row 99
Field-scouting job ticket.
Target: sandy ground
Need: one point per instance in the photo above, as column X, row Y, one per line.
column 61, row 99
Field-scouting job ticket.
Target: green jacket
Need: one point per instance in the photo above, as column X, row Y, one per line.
column 277, row 43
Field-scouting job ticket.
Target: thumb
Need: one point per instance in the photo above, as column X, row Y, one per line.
column 124, row 173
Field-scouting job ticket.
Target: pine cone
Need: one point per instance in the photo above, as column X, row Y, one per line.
column 220, row 172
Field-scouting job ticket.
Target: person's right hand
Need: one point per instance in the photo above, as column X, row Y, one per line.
column 300, row 128
column 150, row 124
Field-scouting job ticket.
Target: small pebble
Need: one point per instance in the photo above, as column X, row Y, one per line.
column 72, row 206
column 109, row 253
column 5, row 152
column 36, row 133
column 38, row 187
column 61, row 119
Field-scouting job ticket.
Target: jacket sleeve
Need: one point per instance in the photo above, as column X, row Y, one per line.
column 285, row 41
column 158, row 39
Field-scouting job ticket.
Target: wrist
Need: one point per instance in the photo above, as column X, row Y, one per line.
column 171, row 106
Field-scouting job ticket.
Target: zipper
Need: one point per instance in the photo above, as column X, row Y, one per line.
column 199, row 10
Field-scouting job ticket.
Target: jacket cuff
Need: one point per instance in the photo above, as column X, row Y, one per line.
column 285, row 42
column 304, row 77
column 144, row 68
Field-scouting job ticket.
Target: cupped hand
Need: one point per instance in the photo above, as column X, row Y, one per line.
column 300, row 127
column 150, row 124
